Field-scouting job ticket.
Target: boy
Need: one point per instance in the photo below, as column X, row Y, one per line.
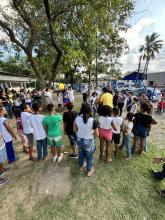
column 38, row 130
column 8, row 135
column 27, row 128
column 116, row 134
column 52, row 127
column 68, row 119
column 3, row 157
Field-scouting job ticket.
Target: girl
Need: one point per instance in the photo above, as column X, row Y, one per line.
column 86, row 128
column 105, row 131
column 52, row 127
column 128, row 134
column 20, row 131
column 142, row 127
column 93, row 102
column 134, row 106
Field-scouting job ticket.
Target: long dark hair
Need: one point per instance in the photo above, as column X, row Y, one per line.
column 85, row 111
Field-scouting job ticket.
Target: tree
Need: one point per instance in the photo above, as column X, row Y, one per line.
column 42, row 28
column 152, row 46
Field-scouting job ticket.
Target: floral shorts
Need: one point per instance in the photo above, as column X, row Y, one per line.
column 55, row 141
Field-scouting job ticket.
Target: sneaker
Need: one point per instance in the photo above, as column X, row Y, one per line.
column 60, row 158
column 73, row 156
column 90, row 172
column 5, row 170
column 3, row 181
column 55, row 158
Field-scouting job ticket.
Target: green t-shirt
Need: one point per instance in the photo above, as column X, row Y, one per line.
column 53, row 124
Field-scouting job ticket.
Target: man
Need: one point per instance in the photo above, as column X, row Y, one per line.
column 106, row 98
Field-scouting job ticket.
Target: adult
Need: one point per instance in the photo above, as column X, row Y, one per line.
column 85, row 94
column 70, row 94
column 121, row 101
column 129, row 101
column 115, row 99
column 106, row 98
column 48, row 96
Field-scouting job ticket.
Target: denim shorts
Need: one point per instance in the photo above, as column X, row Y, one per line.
column 140, row 131
column 72, row 139
column 86, row 144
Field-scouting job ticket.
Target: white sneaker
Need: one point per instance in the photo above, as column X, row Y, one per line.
column 55, row 158
column 60, row 158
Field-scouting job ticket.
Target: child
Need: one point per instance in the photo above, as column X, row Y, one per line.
column 20, row 131
column 93, row 102
column 39, row 132
column 3, row 157
column 134, row 106
column 105, row 131
column 52, row 127
column 117, row 120
column 128, row 133
column 59, row 100
column 68, row 119
column 27, row 128
column 161, row 106
column 142, row 126
column 8, row 135
column 86, row 128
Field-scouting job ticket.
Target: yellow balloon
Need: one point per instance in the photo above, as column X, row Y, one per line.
column 61, row 86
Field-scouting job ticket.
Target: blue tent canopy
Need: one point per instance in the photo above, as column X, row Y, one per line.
column 135, row 76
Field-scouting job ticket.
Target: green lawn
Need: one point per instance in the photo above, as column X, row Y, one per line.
column 121, row 190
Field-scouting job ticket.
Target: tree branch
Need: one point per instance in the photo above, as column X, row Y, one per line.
column 53, row 41
column 11, row 34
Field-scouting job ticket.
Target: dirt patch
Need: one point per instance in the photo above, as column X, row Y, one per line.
column 35, row 182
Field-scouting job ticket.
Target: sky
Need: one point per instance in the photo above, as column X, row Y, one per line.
column 148, row 17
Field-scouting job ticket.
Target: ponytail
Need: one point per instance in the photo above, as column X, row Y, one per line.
column 85, row 118
column 85, row 111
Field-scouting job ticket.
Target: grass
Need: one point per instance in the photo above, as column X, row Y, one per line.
column 121, row 190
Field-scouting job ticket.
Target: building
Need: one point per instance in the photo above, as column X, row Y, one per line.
column 14, row 81
column 156, row 80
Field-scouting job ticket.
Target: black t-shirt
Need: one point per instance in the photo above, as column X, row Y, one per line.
column 143, row 119
column 68, row 118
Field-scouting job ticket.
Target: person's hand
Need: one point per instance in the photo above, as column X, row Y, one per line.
column 15, row 138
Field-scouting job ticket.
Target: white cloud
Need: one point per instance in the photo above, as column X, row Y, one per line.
column 135, row 36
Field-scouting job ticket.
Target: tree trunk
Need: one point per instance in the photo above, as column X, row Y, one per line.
column 140, row 59
column 89, row 81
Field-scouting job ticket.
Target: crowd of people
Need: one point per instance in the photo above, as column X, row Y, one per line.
column 100, row 116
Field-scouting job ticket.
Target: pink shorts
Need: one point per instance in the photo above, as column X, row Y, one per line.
column 105, row 134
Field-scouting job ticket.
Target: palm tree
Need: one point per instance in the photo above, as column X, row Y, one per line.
column 152, row 46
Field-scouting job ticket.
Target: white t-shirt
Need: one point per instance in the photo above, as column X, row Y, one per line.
column 60, row 99
column 27, row 99
column 27, row 128
column 17, row 102
column 3, row 130
column 85, row 131
column 118, row 122
column 48, row 94
column 105, row 122
column 38, row 129
column 71, row 95
column 129, row 126
column 134, row 108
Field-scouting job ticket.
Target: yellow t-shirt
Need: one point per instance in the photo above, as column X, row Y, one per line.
column 107, row 99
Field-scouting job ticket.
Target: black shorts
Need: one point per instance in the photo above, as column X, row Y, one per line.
column 116, row 138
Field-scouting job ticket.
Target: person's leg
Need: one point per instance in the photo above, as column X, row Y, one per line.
column 128, row 146
column 10, row 152
column 39, row 149
column 45, row 148
column 89, row 159
column 1, row 167
column 108, row 145
column 54, row 151
column 135, row 141
column 145, row 145
column 142, row 141
column 81, row 157
column 102, row 145
column 30, row 143
column 72, row 139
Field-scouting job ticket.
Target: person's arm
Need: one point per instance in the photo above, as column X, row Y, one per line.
column 64, row 127
column 75, row 128
column 154, row 122
column 9, row 128
column 113, row 126
column 96, row 132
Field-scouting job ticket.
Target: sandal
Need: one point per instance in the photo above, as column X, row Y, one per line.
column 89, row 174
